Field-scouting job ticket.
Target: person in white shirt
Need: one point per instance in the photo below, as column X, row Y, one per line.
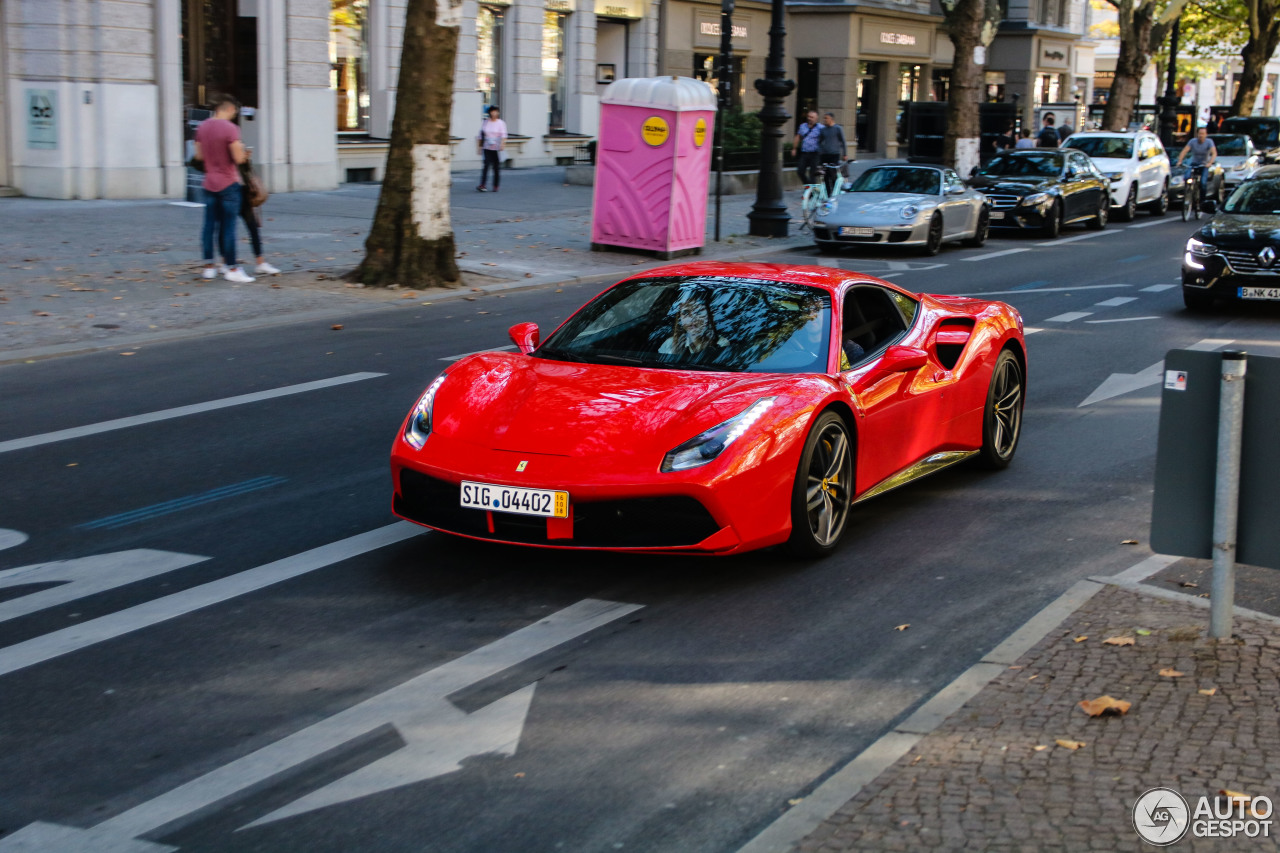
column 490, row 141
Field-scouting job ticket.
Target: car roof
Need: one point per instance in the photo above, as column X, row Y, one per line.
column 826, row 278
column 1267, row 172
column 1125, row 133
column 928, row 166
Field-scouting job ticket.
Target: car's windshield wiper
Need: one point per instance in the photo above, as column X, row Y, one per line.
column 558, row 354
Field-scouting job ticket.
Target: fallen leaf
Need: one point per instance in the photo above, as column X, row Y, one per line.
column 519, row 775
column 1040, row 748
column 1118, row 641
column 1081, row 638
column 1033, row 677
column 489, row 263
column 1208, row 691
column 1171, row 673
column 528, row 275
column 1203, row 595
column 1015, row 667
column 795, row 802
column 72, row 464
column 904, row 626
column 1129, row 542
column 1189, row 585
column 1104, row 705
column 482, row 312
column 337, row 327
column 1142, row 632
column 1069, row 744
column 41, row 313
column 128, row 353
column 408, row 296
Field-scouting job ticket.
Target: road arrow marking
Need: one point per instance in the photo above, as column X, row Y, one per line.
column 11, row 538
column 85, row 576
column 437, row 738
column 1122, row 383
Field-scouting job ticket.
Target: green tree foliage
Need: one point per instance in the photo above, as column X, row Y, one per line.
column 741, row 130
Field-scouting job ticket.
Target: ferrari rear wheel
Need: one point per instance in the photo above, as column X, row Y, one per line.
column 1002, row 418
column 823, row 490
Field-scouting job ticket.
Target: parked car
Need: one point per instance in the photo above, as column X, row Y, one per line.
column 1236, row 255
column 1136, row 165
column 712, row 408
column 1043, row 188
column 1237, row 156
column 923, row 206
column 1263, row 130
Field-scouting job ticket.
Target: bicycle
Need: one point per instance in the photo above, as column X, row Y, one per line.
column 816, row 196
column 1192, row 192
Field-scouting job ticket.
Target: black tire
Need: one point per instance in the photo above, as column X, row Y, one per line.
column 1190, row 201
column 933, row 243
column 1002, row 416
column 1197, row 300
column 1160, row 206
column 979, row 238
column 1052, row 226
column 1129, row 209
column 823, row 490
column 1099, row 222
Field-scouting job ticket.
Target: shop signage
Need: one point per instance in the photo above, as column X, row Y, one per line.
column 895, row 38
column 42, row 118
column 655, row 131
column 1055, row 54
column 633, row 9
column 706, row 30
column 700, row 132
column 559, row 5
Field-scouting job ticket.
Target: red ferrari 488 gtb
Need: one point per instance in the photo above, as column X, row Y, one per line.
column 714, row 408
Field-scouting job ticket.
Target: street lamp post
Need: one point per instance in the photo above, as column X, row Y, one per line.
column 724, row 93
column 1169, row 102
column 769, row 216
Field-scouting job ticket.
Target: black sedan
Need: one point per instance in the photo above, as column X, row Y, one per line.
column 1044, row 189
column 1235, row 255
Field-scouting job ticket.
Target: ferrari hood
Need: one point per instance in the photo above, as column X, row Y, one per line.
column 533, row 405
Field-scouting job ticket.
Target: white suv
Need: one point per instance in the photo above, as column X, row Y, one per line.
column 1136, row 164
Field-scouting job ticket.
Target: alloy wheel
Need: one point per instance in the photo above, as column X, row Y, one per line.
column 828, row 485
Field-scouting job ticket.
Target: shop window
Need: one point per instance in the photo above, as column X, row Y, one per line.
column 909, row 89
column 489, row 28
column 349, row 62
column 868, row 104
column 1048, row 88
column 941, row 84
column 554, row 79
column 706, row 68
column 995, row 83
column 806, row 87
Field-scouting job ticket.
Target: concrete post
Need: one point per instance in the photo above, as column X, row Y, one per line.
column 1226, row 498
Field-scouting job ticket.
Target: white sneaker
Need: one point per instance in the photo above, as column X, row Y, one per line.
column 208, row 273
column 266, row 269
column 237, row 275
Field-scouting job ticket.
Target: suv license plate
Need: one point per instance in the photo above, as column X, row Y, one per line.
column 544, row 502
column 1260, row 293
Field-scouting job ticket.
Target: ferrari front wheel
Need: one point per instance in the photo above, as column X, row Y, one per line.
column 1002, row 417
column 823, row 490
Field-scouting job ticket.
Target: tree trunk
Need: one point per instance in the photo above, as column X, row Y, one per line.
column 411, row 241
column 1131, row 64
column 1264, row 35
column 970, row 24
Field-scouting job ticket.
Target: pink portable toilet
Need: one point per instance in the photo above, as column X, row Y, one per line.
column 653, row 162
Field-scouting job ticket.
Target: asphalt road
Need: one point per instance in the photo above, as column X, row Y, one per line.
column 268, row 679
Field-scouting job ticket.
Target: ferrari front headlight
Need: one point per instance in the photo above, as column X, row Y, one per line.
column 419, row 426
column 706, row 446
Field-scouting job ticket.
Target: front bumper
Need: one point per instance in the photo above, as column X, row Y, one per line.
column 1216, row 275
column 722, row 508
column 1018, row 217
column 904, row 234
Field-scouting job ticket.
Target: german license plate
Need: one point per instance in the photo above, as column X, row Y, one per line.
column 856, row 231
column 545, row 502
column 1260, row 293
column 997, row 215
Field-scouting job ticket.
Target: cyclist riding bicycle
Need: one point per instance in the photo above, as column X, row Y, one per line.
column 1202, row 152
column 832, row 148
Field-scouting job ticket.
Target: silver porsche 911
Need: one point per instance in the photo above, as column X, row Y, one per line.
column 904, row 205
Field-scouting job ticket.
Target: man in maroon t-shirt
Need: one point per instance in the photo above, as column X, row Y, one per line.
column 218, row 144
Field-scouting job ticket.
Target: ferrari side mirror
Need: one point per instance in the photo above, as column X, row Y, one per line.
column 525, row 336
column 900, row 359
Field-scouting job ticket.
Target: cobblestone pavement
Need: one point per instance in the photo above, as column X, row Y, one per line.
column 993, row 778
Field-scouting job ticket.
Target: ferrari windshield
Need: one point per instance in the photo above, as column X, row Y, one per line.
column 1117, row 147
column 1255, row 197
column 898, row 180
column 700, row 323
column 1035, row 165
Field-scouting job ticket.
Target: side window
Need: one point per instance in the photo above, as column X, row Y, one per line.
column 874, row 317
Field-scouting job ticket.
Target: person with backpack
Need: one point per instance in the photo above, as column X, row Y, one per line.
column 1048, row 136
column 491, row 140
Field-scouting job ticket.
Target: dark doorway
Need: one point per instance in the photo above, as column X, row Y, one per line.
column 219, row 53
column 806, row 87
column 869, row 74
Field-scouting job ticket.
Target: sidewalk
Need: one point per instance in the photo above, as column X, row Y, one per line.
column 101, row 272
column 994, row 775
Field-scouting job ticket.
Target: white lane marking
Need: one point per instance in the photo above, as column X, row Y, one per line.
column 187, row 203
column 58, row 643
column 85, row 576
column 828, row 262
column 999, row 254
column 888, row 275
column 1043, row 290
column 1148, row 224
column 1031, row 330
column 1158, row 288
column 1123, row 320
column 507, row 348
column 11, row 538
column 438, row 737
column 1069, row 317
column 181, row 411
column 1077, row 238
column 1116, row 301
column 1122, row 383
